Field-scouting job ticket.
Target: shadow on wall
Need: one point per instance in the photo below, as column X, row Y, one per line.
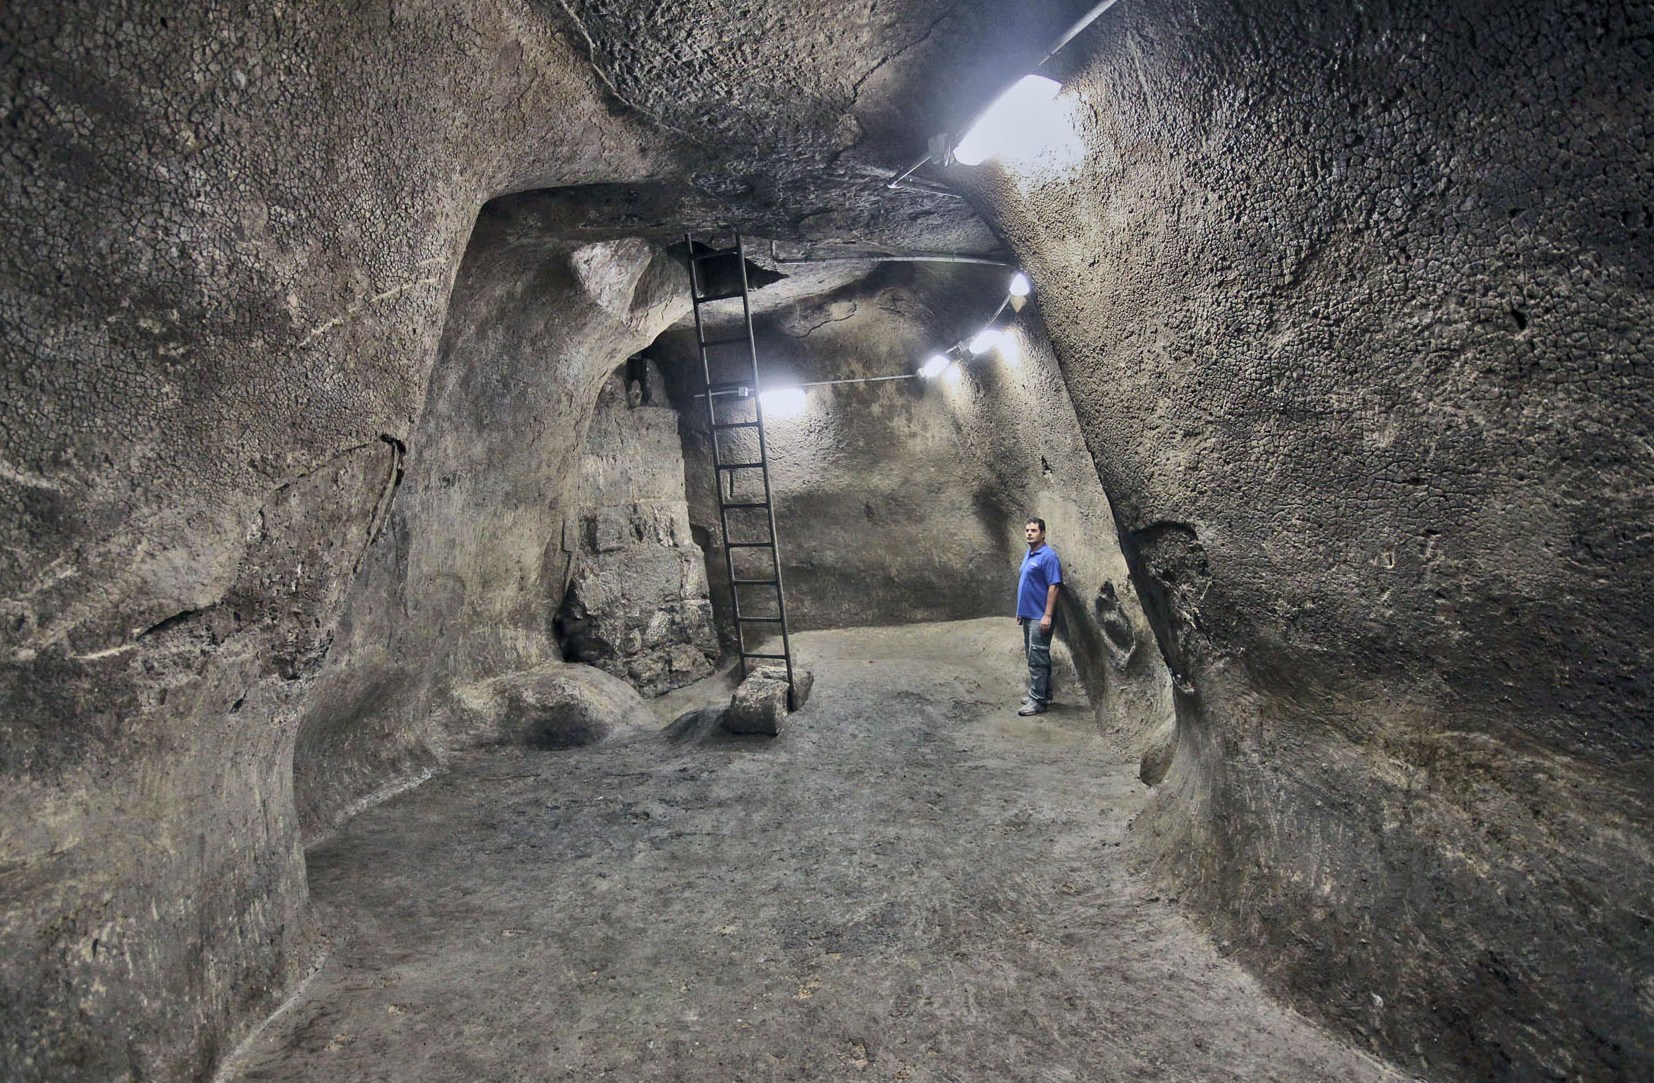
column 998, row 522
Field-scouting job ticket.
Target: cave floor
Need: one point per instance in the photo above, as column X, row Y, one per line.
column 911, row 883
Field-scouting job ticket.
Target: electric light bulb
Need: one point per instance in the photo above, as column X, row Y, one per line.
column 1019, row 119
column 933, row 368
column 1020, row 286
column 985, row 340
column 782, row 402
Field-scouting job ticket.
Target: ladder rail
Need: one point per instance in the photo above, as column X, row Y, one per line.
column 712, row 420
column 764, row 457
column 698, row 297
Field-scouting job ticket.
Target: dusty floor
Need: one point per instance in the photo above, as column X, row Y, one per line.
column 910, row 883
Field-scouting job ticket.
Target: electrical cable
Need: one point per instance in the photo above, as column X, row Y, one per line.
column 1074, row 31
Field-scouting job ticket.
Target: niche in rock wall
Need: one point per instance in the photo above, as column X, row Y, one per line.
column 637, row 604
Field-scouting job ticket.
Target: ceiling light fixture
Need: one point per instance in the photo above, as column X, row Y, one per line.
column 1016, row 123
column 986, row 339
column 779, row 403
column 1019, row 290
column 937, row 365
column 976, row 147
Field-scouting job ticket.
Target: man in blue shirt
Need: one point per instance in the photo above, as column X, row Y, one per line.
column 1037, row 588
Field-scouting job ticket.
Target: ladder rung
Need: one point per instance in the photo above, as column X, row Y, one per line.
column 777, row 657
column 716, row 253
column 746, row 504
column 702, row 299
column 759, row 620
column 740, row 466
column 750, row 545
column 705, row 343
column 736, row 425
column 756, row 582
column 730, row 385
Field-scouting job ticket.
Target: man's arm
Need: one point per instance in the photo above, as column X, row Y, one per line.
column 1050, row 608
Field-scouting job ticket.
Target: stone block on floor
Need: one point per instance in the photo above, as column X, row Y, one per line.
column 760, row 703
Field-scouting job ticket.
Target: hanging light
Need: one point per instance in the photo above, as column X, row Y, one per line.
column 1010, row 348
column 782, row 402
column 985, row 340
column 1019, row 119
column 1022, row 121
column 934, row 367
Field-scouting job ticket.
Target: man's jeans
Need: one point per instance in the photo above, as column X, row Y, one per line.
column 1038, row 646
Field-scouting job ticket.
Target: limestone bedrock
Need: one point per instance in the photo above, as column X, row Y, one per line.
column 230, row 237
column 230, row 240
column 553, row 706
column 637, row 604
column 762, row 702
column 1353, row 305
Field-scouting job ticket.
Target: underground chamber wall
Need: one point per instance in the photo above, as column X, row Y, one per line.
column 902, row 499
column 463, row 585
column 1354, row 334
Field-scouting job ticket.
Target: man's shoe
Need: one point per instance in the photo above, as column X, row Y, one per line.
column 1031, row 707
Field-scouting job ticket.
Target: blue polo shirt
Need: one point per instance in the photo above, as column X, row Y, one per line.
column 1040, row 568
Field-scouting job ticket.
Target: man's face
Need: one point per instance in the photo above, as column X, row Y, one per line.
column 1034, row 534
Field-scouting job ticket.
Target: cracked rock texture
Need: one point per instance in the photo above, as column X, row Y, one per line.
column 762, row 702
column 1353, row 304
column 637, row 603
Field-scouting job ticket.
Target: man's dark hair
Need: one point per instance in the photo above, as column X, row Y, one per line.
column 1037, row 522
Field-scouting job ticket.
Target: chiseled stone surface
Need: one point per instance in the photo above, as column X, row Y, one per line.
column 758, row 706
column 465, row 580
column 760, row 703
column 231, row 235
column 637, row 603
column 229, row 239
column 1353, row 303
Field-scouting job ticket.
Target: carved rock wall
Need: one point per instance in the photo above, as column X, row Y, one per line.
column 637, row 603
column 230, row 236
column 904, row 500
column 1351, row 303
column 1353, row 307
column 465, row 582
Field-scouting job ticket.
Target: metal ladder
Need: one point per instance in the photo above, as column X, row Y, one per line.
column 718, row 274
